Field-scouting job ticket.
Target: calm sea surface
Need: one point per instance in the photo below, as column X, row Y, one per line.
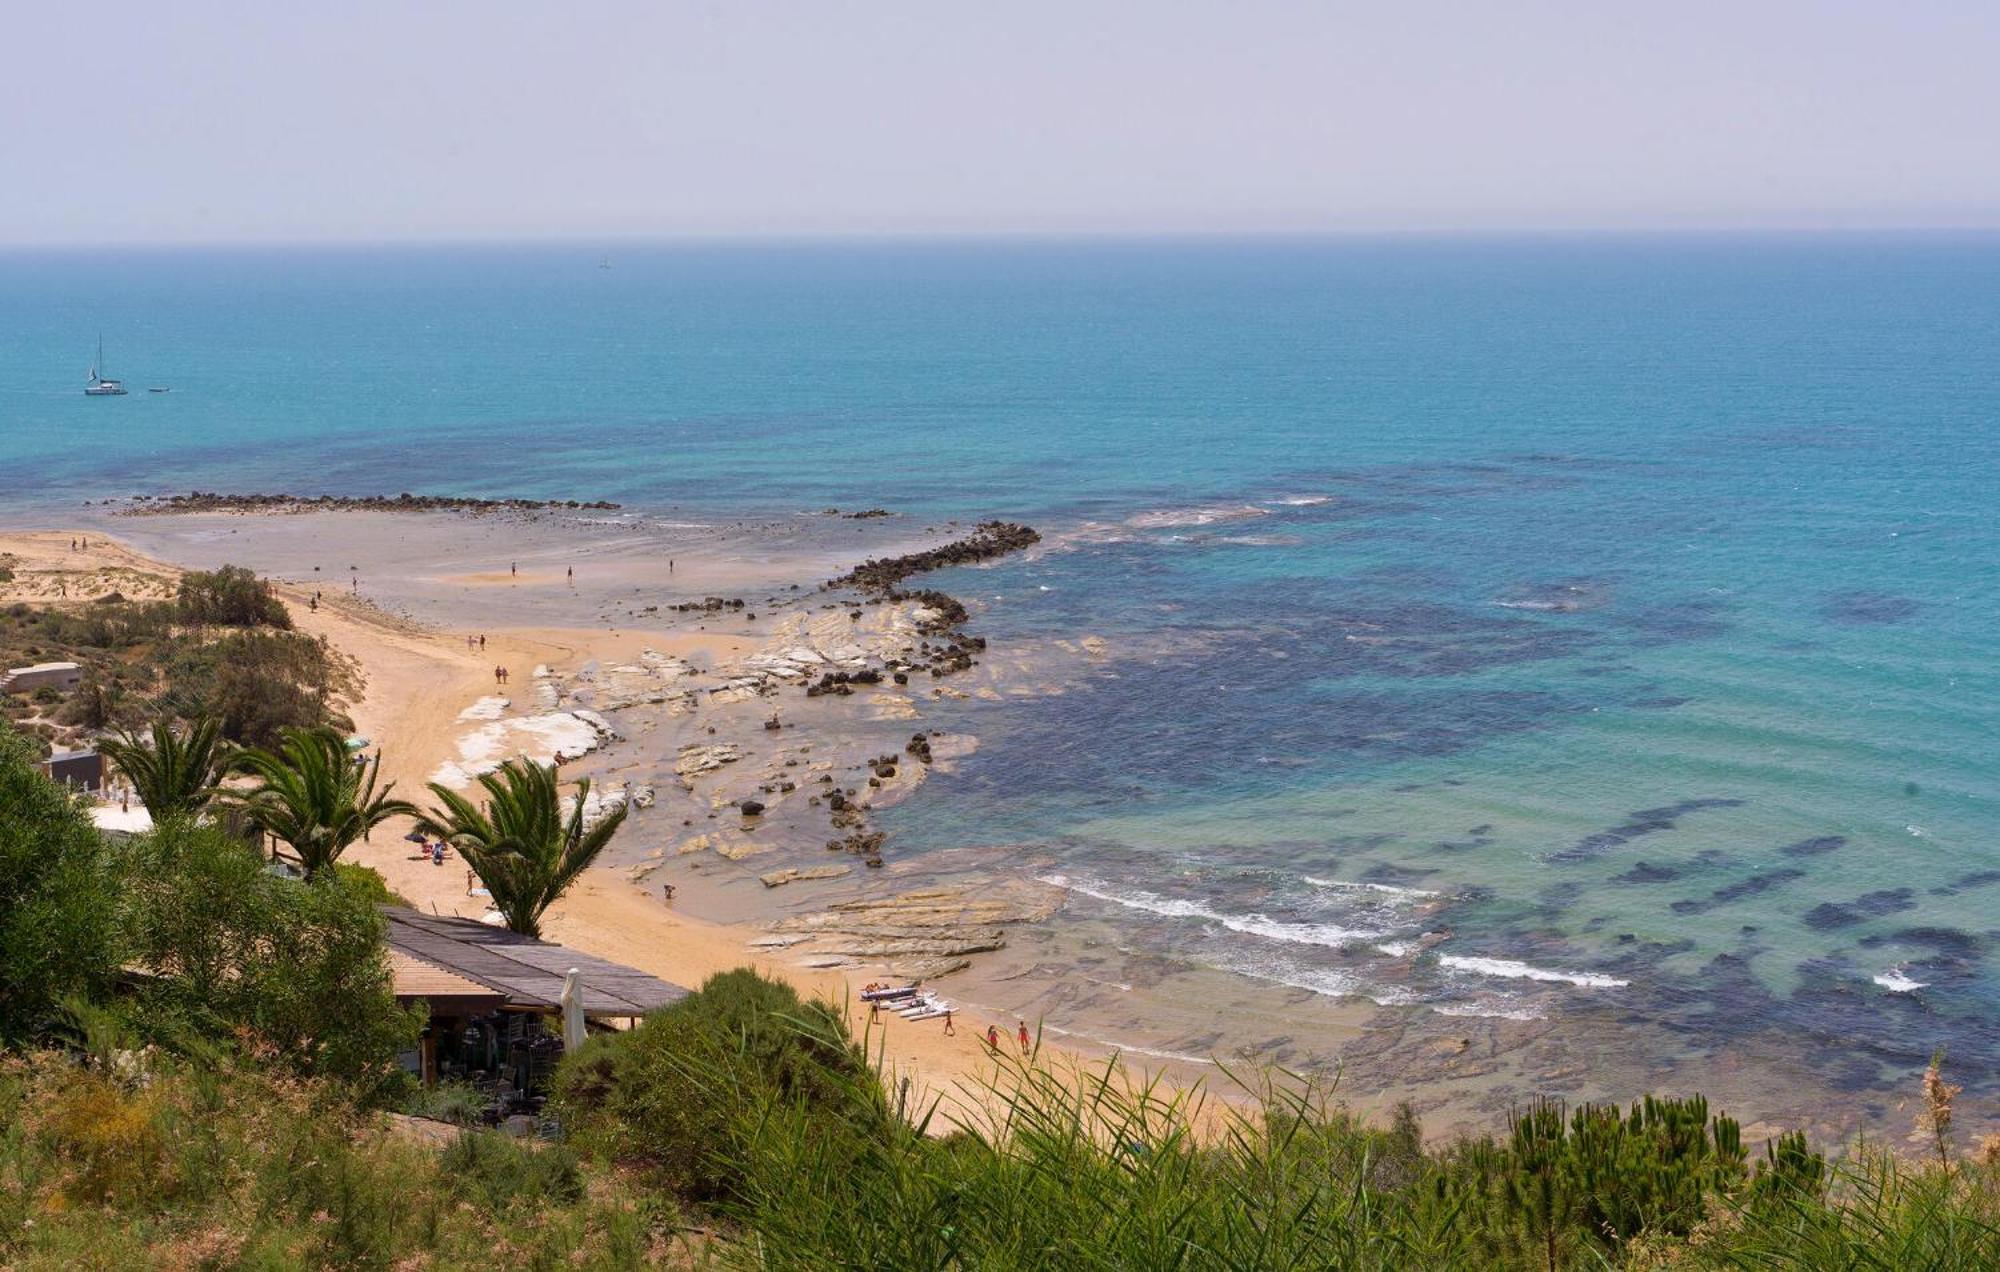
column 1627, row 607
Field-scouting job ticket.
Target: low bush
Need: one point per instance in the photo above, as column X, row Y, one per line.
column 234, row 948
column 59, row 934
column 231, row 596
column 229, row 1165
column 679, row 1097
column 495, row 1171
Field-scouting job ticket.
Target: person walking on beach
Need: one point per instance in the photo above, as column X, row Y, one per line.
column 993, row 1039
column 570, row 574
column 949, row 1032
column 482, row 642
column 469, row 876
column 499, row 674
column 514, row 568
column 1023, row 1034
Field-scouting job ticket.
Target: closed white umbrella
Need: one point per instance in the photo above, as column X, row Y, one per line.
column 572, row 1011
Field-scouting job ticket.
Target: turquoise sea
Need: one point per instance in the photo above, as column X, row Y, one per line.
column 1625, row 606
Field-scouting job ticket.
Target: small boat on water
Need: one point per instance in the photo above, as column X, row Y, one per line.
column 99, row 385
column 158, row 388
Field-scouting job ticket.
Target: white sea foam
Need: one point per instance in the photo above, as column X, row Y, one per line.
column 1896, row 982
column 1303, row 501
column 1329, row 935
column 1487, row 1011
column 1513, row 970
column 1398, row 949
column 1327, row 981
column 1384, row 888
column 1167, row 518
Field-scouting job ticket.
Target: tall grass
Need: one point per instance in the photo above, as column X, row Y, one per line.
column 752, row 1121
column 174, row 1165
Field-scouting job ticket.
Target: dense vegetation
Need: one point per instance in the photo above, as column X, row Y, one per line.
column 195, row 1055
column 224, row 647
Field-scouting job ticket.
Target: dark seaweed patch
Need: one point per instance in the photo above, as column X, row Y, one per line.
column 1814, row 847
column 1700, row 618
column 1943, row 939
column 1747, row 887
column 1869, row 905
column 1646, row 821
column 1868, row 609
column 1558, row 898
column 1641, row 872
column 1463, row 845
column 1977, row 879
column 1395, row 876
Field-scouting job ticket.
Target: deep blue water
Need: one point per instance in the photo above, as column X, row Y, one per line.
column 1633, row 597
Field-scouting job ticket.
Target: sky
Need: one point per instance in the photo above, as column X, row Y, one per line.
column 202, row 121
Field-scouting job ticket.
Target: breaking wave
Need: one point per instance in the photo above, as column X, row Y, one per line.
column 1327, row 935
column 1510, row 969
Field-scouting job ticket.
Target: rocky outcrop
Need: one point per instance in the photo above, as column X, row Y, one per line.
column 988, row 540
column 795, row 874
column 928, row 931
column 696, row 758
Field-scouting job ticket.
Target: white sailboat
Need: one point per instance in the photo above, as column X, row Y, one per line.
column 98, row 385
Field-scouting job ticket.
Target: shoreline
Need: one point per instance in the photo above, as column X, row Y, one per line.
column 419, row 680
column 1100, row 984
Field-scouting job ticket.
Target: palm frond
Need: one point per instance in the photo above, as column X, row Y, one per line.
column 527, row 845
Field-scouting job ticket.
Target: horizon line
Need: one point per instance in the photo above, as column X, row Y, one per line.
column 886, row 237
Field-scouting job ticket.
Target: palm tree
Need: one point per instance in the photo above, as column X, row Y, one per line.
column 314, row 796
column 525, row 845
column 175, row 774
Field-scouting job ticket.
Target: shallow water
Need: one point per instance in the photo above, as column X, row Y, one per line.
column 1622, row 608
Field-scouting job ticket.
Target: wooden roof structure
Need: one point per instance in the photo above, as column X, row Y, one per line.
column 464, row 962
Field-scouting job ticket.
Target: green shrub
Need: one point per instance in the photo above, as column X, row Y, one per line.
column 58, row 917
column 367, row 883
column 680, row 1095
column 234, row 947
column 492, row 1170
column 459, row 1103
column 231, row 596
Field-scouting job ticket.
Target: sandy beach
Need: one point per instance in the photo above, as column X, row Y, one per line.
column 429, row 606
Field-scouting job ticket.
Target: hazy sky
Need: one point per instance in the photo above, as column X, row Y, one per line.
column 194, row 119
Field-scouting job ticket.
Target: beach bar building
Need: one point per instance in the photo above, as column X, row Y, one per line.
column 49, row 675
column 78, row 770
column 495, row 997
